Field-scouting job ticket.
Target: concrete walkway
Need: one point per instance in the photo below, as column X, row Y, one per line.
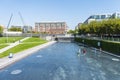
column 4, row 62
column 12, row 45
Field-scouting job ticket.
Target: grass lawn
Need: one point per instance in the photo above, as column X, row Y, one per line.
column 23, row 46
column 2, row 46
column 33, row 39
column 10, row 39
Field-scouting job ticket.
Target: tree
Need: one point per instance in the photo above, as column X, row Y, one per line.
column 1, row 30
column 83, row 29
column 108, row 27
column 71, row 32
column 15, row 29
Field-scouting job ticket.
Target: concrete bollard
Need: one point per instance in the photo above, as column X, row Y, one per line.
column 10, row 55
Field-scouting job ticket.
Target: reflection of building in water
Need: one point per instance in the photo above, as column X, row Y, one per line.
column 51, row 27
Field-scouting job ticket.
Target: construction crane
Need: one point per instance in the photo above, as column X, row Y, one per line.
column 9, row 21
column 8, row 26
column 23, row 22
column 21, row 18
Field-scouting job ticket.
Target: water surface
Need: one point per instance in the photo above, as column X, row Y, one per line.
column 60, row 61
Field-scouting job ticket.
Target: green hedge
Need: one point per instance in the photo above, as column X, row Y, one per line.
column 109, row 46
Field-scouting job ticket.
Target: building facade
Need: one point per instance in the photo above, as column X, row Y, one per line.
column 51, row 27
column 101, row 17
column 77, row 27
column 115, row 15
column 97, row 18
column 27, row 29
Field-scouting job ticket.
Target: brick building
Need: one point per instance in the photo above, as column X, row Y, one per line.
column 51, row 27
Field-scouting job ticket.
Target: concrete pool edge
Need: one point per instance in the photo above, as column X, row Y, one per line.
column 4, row 62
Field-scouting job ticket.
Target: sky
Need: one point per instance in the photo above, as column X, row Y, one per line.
column 70, row 11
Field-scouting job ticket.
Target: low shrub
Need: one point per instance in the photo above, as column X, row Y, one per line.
column 113, row 47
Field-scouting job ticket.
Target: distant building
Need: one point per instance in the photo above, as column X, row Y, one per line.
column 97, row 18
column 51, row 27
column 101, row 17
column 115, row 15
column 27, row 29
column 77, row 27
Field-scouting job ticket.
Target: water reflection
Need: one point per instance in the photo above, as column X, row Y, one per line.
column 16, row 71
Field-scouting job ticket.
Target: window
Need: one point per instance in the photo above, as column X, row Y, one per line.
column 47, row 26
column 53, row 26
column 102, row 16
column 97, row 17
column 58, row 26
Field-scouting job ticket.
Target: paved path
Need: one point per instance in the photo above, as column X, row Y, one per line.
column 7, row 61
column 12, row 45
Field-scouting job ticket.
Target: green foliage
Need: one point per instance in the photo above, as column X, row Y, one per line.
column 34, row 39
column 15, row 29
column 83, row 29
column 111, row 26
column 109, row 46
column 10, row 39
column 2, row 46
column 1, row 29
column 71, row 32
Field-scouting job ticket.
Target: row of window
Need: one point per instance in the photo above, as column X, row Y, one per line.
column 52, row 27
column 53, row 32
column 115, row 15
column 99, row 16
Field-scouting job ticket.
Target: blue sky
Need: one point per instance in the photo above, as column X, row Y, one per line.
column 70, row 11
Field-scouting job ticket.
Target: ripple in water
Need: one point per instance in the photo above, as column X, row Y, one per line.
column 115, row 59
column 39, row 56
column 16, row 72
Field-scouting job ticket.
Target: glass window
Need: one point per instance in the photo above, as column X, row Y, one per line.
column 58, row 26
column 53, row 26
column 97, row 17
column 103, row 16
column 47, row 26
